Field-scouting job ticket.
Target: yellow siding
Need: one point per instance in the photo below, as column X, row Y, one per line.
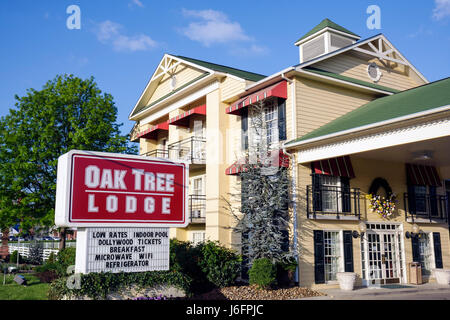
column 349, row 65
column 230, row 88
column 319, row 103
column 183, row 75
column 366, row 170
column 289, row 117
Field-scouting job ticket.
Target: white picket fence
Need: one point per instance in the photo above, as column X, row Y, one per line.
column 24, row 249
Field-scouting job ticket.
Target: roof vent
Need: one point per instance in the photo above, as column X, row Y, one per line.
column 324, row 38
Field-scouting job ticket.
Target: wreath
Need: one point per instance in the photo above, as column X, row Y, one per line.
column 384, row 206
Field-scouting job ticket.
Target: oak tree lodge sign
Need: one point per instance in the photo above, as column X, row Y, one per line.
column 103, row 189
column 123, row 249
column 122, row 207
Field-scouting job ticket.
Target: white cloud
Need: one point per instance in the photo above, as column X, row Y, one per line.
column 248, row 51
column 441, row 10
column 109, row 32
column 137, row 3
column 213, row 27
column 140, row 42
column 423, row 31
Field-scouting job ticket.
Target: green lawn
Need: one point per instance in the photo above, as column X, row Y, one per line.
column 35, row 290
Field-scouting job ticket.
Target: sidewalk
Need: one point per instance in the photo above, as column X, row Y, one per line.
column 428, row 291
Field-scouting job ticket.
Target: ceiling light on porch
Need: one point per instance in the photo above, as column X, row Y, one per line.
column 423, row 155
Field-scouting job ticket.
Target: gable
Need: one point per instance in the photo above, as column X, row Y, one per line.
column 352, row 61
column 183, row 74
column 354, row 65
column 176, row 73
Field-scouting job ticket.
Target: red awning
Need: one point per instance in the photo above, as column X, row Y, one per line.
column 183, row 119
column 338, row 167
column 277, row 90
column 152, row 132
column 422, row 175
column 240, row 165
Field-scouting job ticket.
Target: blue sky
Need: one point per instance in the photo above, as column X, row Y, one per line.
column 121, row 42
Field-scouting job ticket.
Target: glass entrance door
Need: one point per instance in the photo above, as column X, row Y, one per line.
column 383, row 257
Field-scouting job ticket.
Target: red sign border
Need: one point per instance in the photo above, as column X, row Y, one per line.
column 63, row 211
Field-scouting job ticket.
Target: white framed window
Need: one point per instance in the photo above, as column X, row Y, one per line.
column 199, row 128
column 333, row 254
column 331, row 194
column 426, row 255
column 198, row 237
column 269, row 132
column 197, row 185
column 271, row 120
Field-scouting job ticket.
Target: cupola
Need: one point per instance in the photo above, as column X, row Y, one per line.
column 326, row 37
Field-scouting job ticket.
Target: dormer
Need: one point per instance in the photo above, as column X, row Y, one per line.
column 326, row 37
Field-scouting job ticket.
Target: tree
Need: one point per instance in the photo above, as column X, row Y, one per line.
column 68, row 113
column 264, row 196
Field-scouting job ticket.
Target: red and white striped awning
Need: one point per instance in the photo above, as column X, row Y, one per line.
column 152, row 132
column 183, row 119
column 277, row 90
column 241, row 165
column 338, row 167
column 422, row 175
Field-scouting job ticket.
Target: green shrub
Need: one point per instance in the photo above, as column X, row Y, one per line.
column 263, row 273
column 220, row 265
column 64, row 259
column 184, row 258
column 13, row 257
column 99, row 285
column 51, row 258
column 59, row 264
column 35, row 253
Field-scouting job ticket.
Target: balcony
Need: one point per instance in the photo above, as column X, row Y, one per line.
column 333, row 203
column 197, row 208
column 425, row 208
column 192, row 150
column 157, row 153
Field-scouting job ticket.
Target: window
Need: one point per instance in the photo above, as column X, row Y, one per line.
column 421, row 199
column 198, row 237
column 332, row 254
column 274, row 118
column 425, row 253
column 271, row 120
column 331, row 194
column 197, row 185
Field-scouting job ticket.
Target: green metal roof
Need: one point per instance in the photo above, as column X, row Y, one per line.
column 324, row 24
column 419, row 99
column 349, row 79
column 251, row 76
column 169, row 94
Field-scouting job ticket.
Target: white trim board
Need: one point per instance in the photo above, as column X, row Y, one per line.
column 425, row 131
